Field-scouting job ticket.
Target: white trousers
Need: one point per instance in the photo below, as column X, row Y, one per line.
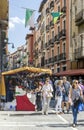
column 58, row 107
column 46, row 102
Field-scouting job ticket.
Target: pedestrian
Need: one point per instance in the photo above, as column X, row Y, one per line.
column 47, row 94
column 75, row 96
column 39, row 96
column 10, row 91
column 65, row 100
column 58, row 97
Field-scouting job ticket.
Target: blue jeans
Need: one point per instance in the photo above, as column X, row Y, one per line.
column 74, row 112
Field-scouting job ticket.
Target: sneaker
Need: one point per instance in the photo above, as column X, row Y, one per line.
column 63, row 111
column 60, row 112
column 67, row 111
column 42, row 113
column 46, row 113
column 74, row 125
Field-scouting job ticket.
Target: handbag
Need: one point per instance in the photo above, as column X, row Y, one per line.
column 81, row 99
column 81, row 107
column 49, row 95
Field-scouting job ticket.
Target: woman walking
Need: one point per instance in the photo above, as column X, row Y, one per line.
column 39, row 97
column 47, row 94
column 75, row 94
column 58, row 96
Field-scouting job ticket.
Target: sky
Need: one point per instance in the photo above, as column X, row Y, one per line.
column 17, row 31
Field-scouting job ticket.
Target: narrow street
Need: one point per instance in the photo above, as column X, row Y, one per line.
column 37, row 121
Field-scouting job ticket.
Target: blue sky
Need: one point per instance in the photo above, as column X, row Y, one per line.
column 17, row 31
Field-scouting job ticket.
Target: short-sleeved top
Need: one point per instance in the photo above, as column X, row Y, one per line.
column 58, row 91
column 46, row 89
column 75, row 94
column 66, row 86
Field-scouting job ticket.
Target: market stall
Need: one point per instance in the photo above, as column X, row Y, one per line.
column 23, row 100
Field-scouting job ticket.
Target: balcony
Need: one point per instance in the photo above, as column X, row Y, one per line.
column 57, row 38
column 45, row 62
column 51, row 24
column 52, row 60
column 49, row 60
column 52, row 5
column 47, row 10
column 48, row 44
column 79, row 18
column 52, row 42
column 58, row 20
column 63, row 56
column 58, row 57
column 63, row 34
column 55, row 58
column 47, row 28
column 79, row 53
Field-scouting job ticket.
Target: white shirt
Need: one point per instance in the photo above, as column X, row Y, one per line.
column 47, row 89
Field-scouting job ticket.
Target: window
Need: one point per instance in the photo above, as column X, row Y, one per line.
column 48, row 37
column 64, row 24
column 58, row 70
column 58, row 8
column 48, row 21
column 52, row 53
column 75, row 10
column 48, row 54
column 64, row 68
column 81, row 39
column 64, row 2
column 58, row 29
column 64, row 48
column 58, row 50
column 52, row 34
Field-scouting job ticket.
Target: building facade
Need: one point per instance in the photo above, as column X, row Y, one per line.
column 53, row 40
column 29, row 44
column 4, row 7
column 77, row 30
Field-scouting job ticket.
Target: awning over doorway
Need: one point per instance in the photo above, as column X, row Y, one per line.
column 71, row 72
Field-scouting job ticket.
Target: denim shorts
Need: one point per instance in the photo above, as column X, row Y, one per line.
column 65, row 98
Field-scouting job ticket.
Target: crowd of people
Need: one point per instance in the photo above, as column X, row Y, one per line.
column 66, row 94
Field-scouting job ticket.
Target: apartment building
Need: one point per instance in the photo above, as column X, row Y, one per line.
column 19, row 58
column 77, row 30
column 4, row 5
column 29, row 43
column 54, row 39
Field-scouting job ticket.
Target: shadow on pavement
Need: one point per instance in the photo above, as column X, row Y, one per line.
column 81, row 120
column 53, row 125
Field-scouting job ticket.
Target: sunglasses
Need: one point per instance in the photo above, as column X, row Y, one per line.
column 47, row 81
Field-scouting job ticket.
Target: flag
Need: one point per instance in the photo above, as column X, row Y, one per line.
column 55, row 16
column 29, row 18
column 55, row 19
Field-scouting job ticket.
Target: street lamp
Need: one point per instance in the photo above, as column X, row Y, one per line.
column 6, row 42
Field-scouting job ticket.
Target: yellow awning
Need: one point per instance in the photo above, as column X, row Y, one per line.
column 27, row 69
